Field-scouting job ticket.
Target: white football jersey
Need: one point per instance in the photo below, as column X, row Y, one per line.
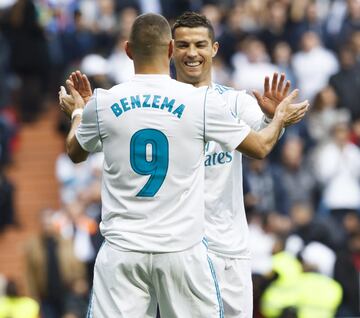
column 226, row 224
column 152, row 131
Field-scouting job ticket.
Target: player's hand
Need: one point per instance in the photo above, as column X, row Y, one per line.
column 82, row 84
column 290, row 113
column 69, row 102
column 273, row 96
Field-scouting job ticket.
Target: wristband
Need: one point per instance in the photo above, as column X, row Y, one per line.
column 267, row 120
column 77, row 111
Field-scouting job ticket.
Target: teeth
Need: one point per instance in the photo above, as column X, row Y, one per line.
column 192, row 64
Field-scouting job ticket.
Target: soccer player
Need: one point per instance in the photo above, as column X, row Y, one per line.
column 152, row 131
column 226, row 225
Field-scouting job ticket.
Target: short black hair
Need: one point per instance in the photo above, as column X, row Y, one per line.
column 191, row 19
column 150, row 35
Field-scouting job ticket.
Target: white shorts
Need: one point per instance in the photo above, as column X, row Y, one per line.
column 131, row 284
column 234, row 277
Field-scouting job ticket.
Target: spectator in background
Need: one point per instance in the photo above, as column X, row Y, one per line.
column 220, row 72
column 80, row 187
column 12, row 305
column 77, row 40
column 309, row 293
column 324, row 114
column 84, row 235
column 310, row 20
column 233, row 33
column 337, row 167
column 308, row 227
column 76, row 302
column 262, row 241
column 350, row 23
column 251, row 65
column 121, row 68
column 319, row 258
column 355, row 44
column 3, row 283
column 346, row 82
column 275, row 29
column 97, row 69
column 126, row 20
column 355, row 133
column 293, row 178
column 7, row 211
column 351, row 223
column 281, row 57
column 25, row 34
column 253, row 15
column 313, row 65
column 346, row 272
column 333, row 21
column 214, row 14
column 74, row 179
column 4, row 69
column 8, row 131
column 51, row 266
column 105, row 25
column 122, row 5
column 262, row 187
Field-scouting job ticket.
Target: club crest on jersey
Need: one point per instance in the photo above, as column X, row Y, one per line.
column 147, row 101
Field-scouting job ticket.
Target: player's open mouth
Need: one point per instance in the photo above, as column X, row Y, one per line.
column 193, row 64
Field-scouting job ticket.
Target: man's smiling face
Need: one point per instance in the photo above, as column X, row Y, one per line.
column 193, row 54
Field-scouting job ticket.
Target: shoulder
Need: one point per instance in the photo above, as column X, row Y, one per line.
column 112, row 90
column 101, row 95
column 188, row 88
column 244, row 97
column 230, row 92
column 221, row 89
column 234, row 96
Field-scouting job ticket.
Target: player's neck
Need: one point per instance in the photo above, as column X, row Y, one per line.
column 204, row 82
column 160, row 67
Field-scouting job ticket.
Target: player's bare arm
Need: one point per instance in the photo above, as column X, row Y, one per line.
column 273, row 95
column 72, row 105
column 259, row 144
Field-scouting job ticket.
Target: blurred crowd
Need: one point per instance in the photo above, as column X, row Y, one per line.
column 302, row 202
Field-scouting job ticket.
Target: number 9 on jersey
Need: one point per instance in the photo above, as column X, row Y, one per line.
column 157, row 166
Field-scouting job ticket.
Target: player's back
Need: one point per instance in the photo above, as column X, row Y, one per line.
column 152, row 133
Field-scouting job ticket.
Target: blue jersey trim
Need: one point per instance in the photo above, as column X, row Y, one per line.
column 221, row 88
column 97, row 116
column 205, row 242
column 236, row 105
column 218, row 294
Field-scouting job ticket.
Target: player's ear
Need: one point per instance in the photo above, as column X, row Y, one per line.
column 215, row 48
column 128, row 50
column 171, row 49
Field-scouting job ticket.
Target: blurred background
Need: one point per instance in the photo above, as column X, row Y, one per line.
column 302, row 202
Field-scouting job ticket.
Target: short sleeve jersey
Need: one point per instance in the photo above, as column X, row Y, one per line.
column 152, row 131
column 226, row 224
